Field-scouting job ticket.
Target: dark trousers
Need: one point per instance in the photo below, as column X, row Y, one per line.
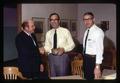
column 88, row 66
column 59, row 65
column 32, row 71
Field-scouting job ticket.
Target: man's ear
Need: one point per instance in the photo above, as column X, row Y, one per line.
column 94, row 19
column 26, row 27
column 59, row 21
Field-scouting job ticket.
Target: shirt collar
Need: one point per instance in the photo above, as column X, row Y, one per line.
column 56, row 29
column 92, row 27
column 27, row 33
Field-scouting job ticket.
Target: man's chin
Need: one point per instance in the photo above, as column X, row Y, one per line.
column 55, row 26
column 33, row 32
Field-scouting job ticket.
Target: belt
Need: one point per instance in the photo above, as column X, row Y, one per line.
column 92, row 56
column 54, row 54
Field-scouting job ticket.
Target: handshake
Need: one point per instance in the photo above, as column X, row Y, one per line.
column 58, row 51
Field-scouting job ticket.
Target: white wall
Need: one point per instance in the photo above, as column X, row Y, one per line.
column 44, row 10
column 66, row 11
column 106, row 12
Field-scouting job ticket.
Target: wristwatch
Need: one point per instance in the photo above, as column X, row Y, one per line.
column 97, row 66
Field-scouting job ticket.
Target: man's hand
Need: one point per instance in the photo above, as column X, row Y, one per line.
column 97, row 72
column 55, row 51
column 42, row 50
column 41, row 67
column 60, row 51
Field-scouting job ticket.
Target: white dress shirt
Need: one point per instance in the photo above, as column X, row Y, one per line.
column 94, row 43
column 64, row 39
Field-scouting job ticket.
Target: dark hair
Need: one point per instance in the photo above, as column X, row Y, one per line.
column 24, row 24
column 89, row 13
column 54, row 14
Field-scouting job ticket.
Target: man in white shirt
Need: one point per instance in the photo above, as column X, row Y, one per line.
column 57, row 48
column 93, row 48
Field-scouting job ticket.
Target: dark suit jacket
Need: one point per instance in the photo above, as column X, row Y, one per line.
column 29, row 58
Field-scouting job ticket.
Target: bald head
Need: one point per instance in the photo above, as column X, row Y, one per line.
column 28, row 26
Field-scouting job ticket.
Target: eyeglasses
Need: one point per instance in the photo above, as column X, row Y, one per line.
column 54, row 19
column 87, row 19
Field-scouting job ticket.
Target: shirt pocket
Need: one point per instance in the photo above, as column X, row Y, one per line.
column 90, row 42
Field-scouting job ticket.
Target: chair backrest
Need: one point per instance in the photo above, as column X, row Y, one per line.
column 76, row 66
column 12, row 73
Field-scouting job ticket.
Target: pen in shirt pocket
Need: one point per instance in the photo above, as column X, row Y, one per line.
column 89, row 39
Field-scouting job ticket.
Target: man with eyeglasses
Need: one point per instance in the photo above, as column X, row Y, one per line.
column 58, row 42
column 92, row 47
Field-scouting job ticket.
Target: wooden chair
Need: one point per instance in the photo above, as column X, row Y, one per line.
column 76, row 66
column 109, row 58
column 12, row 73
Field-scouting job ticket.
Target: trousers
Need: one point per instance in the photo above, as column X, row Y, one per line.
column 59, row 65
column 88, row 66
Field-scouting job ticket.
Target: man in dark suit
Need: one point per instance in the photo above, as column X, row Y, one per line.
column 29, row 59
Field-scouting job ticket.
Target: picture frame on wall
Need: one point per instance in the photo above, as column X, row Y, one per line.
column 39, row 24
column 39, row 29
column 73, row 27
column 65, row 23
column 104, row 25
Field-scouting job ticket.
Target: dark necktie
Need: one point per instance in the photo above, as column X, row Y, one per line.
column 55, row 40
column 86, row 41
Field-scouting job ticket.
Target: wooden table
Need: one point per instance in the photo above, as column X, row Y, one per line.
column 109, row 74
column 67, row 77
column 106, row 75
